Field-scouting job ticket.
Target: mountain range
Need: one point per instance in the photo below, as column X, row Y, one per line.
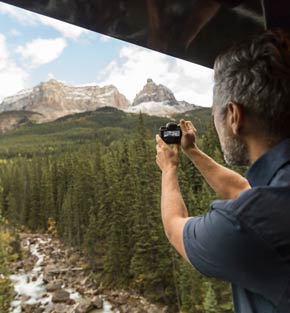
column 53, row 99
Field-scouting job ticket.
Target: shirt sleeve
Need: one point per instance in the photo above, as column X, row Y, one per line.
column 215, row 243
column 229, row 244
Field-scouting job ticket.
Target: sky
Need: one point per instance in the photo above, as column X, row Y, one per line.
column 35, row 48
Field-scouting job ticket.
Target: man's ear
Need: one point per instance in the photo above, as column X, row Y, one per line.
column 235, row 117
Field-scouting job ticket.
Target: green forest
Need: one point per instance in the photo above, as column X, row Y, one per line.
column 94, row 177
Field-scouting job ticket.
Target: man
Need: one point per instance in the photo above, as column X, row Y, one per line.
column 244, row 239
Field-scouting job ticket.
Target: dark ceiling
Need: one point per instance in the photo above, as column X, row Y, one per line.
column 160, row 28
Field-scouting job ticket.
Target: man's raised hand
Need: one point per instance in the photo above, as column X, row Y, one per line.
column 166, row 157
column 188, row 136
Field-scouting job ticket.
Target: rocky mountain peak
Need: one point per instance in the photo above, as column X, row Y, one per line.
column 54, row 99
column 158, row 100
column 53, row 82
column 152, row 92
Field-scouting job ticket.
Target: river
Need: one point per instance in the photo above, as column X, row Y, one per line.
column 30, row 288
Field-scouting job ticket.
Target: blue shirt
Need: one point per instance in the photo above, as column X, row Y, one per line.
column 246, row 241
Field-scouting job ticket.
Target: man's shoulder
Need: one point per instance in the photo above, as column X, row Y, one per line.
column 266, row 199
column 236, row 207
column 243, row 230
column 264, row 211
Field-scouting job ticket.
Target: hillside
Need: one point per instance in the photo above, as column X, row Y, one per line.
column 15, row 119
column 105, row 124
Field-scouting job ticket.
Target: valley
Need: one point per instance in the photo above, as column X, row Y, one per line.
column 93, row 176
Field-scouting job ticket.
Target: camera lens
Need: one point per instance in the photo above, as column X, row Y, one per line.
column 171, row 126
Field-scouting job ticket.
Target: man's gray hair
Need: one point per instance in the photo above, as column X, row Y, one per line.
column 256, row 74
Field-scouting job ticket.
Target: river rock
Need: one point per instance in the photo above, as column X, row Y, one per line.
column 122, row 299
column 125, row 308
column 47, row 277
column 28, row 264
column 31, row 308
column 152, row 309
column 80, row 289
column 34, row 278
column 49, row 273
column 33, row 241
column 98, row 302
column 54, row 285
column 25, row 298
column 60, row 308
column 18, row 265
column 51, row 268
column 70, row 302
column 60, row 296
column 88, row 306
column 49, row 308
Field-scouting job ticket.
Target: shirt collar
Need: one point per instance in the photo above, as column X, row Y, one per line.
column 263, row 170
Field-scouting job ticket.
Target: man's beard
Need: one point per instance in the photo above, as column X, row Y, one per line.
column 234, row 149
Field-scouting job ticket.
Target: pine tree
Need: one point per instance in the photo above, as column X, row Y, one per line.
column 210, row 301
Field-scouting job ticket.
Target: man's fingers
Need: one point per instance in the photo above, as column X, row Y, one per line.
column 182, row 125
column 159, row 140
column 186, row 126
column 190, row 126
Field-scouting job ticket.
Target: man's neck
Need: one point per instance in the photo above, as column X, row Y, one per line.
column 258, row 146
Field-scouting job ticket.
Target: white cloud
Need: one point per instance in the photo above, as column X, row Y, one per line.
column 50, row 76
column 29, row 18
column 134, row 65
column 22, row 16
column 42, row 51
column 14, row 33
column 12, row 77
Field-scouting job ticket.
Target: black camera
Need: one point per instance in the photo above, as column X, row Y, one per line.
column 171, row 133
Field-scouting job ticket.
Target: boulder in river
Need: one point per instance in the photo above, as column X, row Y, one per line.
column 87, row 306
column 31, row 308
column 60, row 295
column 54, row 285
column 98, row 302
column 60, row 308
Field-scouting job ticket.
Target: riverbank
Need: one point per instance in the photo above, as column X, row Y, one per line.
column 55, row 279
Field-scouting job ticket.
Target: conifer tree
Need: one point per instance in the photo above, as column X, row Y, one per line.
column 210, row 302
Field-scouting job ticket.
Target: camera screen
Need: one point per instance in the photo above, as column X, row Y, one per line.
column 171, row 133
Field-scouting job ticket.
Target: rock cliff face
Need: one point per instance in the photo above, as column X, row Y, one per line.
column 54, row 99
column 158, row 100
column 152, row 92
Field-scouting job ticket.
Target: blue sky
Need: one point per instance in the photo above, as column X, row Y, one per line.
column 35, row 48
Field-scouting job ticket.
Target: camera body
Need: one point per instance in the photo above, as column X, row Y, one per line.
column 171, row 133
